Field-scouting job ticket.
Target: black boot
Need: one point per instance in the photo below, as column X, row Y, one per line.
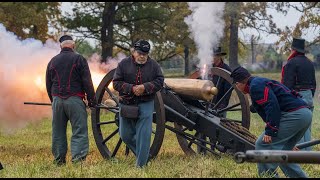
column 59, row 162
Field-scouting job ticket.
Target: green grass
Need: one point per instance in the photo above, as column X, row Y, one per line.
column 27, row 153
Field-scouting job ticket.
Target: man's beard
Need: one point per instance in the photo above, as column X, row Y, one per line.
column 141, row 61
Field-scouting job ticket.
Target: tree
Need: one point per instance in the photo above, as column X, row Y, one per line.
column 309, row 21
column 234, row 24
column 119, row 24
column 29, row 19
column 242, row 15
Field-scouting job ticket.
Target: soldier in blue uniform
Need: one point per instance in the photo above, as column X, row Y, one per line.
column 137, row 79
column 286, row 115
column 299, row 75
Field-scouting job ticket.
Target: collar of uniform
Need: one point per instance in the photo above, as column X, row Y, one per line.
column 66, row 49
column 247, row 87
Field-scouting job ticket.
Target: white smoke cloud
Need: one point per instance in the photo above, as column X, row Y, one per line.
column 99, row 70
column 23, row 65
column 206, row 24
column 22, row 78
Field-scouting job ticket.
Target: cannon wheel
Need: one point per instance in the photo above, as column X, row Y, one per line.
column 244, row 111
column 105, row 121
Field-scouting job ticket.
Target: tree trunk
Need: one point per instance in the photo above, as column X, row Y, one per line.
column 186, row 60
column 234, row 23
column 108, row 20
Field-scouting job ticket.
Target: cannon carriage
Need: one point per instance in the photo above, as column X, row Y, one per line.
column 185, row 107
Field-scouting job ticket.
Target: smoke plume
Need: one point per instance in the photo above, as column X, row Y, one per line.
column 23, row 65
column 99, row 70
column 206, row 24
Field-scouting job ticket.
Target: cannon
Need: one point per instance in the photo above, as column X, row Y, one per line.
column 183, row 106
column 278, row 156
column 281, row 156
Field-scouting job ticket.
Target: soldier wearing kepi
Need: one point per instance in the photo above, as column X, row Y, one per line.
column 286, row 115
column 137, row 79
column 299, row 75
column 68, row 82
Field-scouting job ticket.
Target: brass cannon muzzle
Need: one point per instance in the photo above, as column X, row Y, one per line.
column 194, row 88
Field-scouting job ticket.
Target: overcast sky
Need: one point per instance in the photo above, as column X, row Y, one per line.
column 281, row 21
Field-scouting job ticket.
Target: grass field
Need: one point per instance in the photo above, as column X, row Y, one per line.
column 27, row 153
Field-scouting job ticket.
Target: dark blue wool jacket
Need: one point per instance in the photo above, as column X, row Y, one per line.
column 129, row 73
column 299, row 74
column 269, row 98
column 68, row 74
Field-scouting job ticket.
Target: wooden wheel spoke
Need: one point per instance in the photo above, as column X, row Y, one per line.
column 111, row 109
column 110, row 136
column 117, row 147
column 112, row 95
column 103, row 123
column 229, row 108
column 224, row 96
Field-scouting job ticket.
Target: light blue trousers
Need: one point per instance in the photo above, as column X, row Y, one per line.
column 72, row 109
column 136, row 134
column 307, row 97
column 292, row 127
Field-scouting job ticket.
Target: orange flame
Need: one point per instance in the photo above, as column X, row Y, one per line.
column 95, row 76
column 39, row 81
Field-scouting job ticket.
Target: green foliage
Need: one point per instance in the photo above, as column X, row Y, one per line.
column 161, row 23
column 309, row 21
column 29, row 19
column 85, row 49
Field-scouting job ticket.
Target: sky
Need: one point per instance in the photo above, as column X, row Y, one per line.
column 281, row 21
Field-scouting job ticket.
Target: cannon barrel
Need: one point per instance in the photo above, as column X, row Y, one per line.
column 278, row 156
column 194, row 88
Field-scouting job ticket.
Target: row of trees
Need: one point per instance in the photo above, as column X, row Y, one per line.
column 116, row 25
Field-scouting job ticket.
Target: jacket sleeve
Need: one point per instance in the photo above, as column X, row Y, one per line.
column 86, row 79
column 49, row 81
column 226, row 87
column 266, row 99
column 289, row 75
column 314, row 84
column 118, row 81
column 155, row 85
